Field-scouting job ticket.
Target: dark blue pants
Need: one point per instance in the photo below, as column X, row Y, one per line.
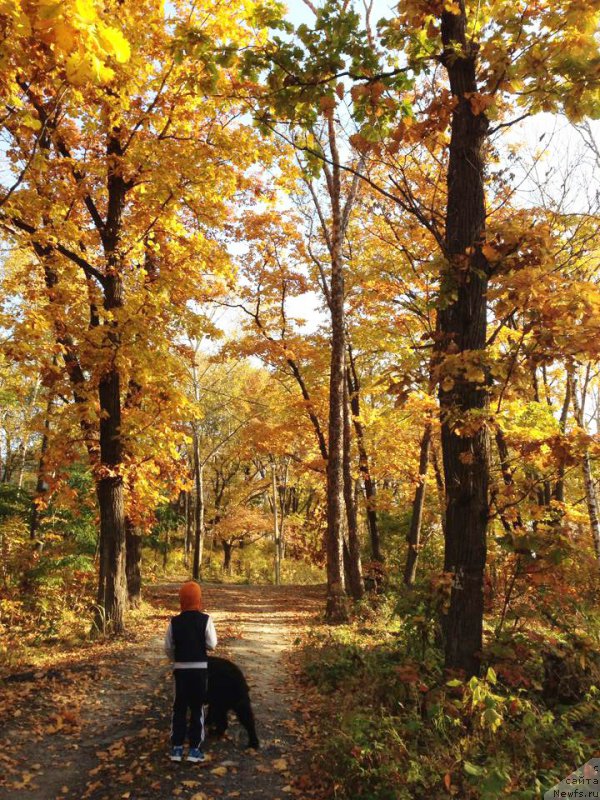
column 190, row 693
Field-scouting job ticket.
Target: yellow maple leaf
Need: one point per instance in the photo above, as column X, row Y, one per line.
column 64, row 36
column 87, row 68
column 114, row 43
column 85, row 10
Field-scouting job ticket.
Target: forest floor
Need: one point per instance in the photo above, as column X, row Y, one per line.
column 95, row 725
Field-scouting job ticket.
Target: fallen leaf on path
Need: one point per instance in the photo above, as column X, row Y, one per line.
column 280, row 764
column 220, row 771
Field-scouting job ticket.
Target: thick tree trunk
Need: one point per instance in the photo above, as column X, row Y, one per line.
column 356, row 582
column 112, row 583
column 133, row 564
column 363, row 460
column 112, row 592
column 336, row 609
column 462, row 317
column 112, row 587
column 414, row 533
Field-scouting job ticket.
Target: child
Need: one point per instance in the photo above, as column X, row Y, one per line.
column 189, row 635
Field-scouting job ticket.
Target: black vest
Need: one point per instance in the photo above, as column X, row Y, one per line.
column 189, row 636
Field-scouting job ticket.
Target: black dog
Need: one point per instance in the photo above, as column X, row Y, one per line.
column 228, row 691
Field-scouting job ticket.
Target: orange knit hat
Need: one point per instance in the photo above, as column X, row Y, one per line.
column 190, row 596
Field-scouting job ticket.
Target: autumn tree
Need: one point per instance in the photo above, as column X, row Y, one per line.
column 122, row 162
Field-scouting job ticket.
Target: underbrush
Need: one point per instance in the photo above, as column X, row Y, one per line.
column 403, row 728
column 254, row 564
column 45, row 596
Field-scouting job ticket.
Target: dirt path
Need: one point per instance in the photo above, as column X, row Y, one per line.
column 98, row 729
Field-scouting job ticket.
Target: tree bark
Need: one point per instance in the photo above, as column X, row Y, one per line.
column 363, row 462
column 276, row 531
column 187, row 546
column 356, row 582
column 336, row 608
column 198, row 508
column 414, row 533
column 112, row 584
column 462, row 316
column 133, row 564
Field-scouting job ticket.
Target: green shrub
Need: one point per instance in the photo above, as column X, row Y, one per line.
column 401, row 730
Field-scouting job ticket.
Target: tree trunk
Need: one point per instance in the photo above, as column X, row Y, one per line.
column 276, row 535
column 356, row 582
column 112, row 583
column 187, row 546
column 133, row 564
column 508, row 478
column 112, row 590
column 588, row 476
column 112, row 595
column 462, row 316
column 22, row 458
column 439, row 485
column 198, row 508
column 336, row 609
column 284, row 509
column 363, row 460
column 414, row 533
column 227, row 550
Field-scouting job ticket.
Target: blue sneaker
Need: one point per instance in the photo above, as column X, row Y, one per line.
column 176, row 753
column 195, row 755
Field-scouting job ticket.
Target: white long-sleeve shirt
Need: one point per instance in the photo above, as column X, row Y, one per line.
column 211, row 643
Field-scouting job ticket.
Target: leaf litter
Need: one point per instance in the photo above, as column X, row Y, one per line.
column 94, row 725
